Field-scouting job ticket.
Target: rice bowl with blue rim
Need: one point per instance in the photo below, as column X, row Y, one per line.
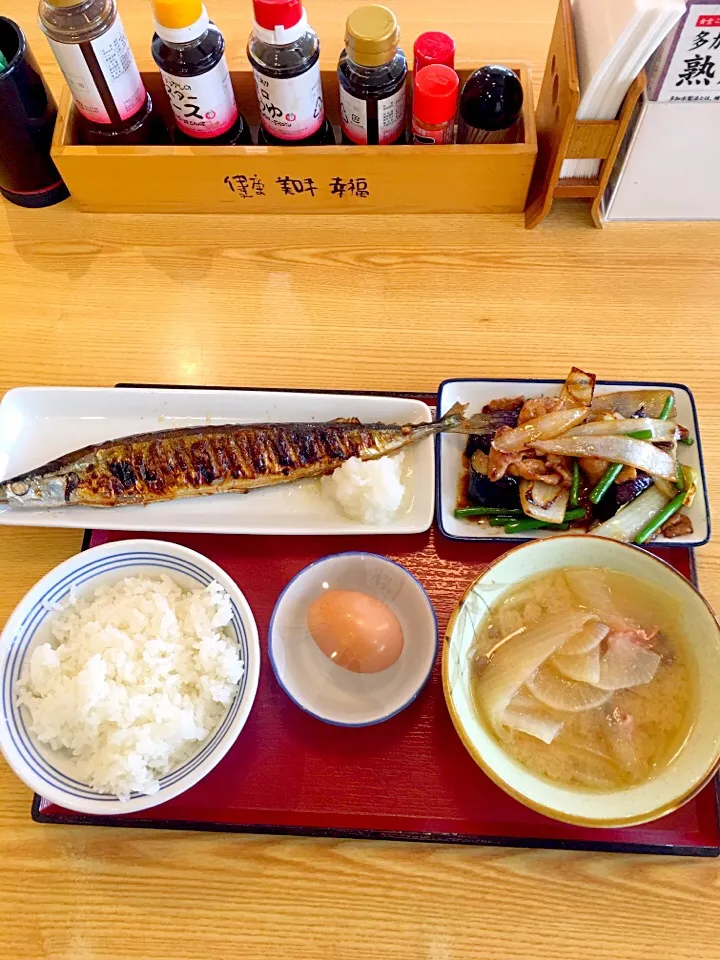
column 51, row 773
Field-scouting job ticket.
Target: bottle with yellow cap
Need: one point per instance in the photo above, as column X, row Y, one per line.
column 89, row 43
column 190, row 52
column 372, row 72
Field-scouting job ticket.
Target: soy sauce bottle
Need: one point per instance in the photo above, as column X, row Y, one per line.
column 284, row 53
column 89, row 43
column 372, row 72
column 190, row 52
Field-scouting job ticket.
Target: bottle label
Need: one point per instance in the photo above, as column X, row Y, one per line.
column 106, row 62
column 353, row 117
column 203, row 106
column 421, row 134
column 291, row 109
column 391, row 116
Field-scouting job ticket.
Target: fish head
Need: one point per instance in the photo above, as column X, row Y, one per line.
column 34, row 491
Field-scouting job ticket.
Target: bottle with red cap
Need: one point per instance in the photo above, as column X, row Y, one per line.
column 435, row 104
column 433, row 47
column 284, row 53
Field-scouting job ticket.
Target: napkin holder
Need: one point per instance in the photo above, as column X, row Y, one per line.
column 561, row 136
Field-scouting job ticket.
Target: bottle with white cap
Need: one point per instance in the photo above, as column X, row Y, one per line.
column 284, row 53
column 190, row 51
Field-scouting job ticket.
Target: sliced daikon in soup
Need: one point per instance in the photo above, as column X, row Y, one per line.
column 591, row 636
column 598, row 696
column 568, row 696
column 517, row 658
column 579, row 666
column 591, row 590
column 626, row 663
column 538, row 725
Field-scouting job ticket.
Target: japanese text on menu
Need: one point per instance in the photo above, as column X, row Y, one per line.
column 694, row 71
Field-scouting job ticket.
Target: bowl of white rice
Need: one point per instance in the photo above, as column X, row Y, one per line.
column 126, row 675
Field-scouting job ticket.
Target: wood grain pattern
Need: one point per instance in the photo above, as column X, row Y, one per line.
column 383, row 303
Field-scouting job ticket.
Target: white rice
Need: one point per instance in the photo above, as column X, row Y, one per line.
column 370, row 491
column 139, row 676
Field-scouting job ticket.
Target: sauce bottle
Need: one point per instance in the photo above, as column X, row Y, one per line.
column 284, row 53
column 190, row 52
column 435, row 104
column 490, row 106
column 372, row 71
column 89, row 43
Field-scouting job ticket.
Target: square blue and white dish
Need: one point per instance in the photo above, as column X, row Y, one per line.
column 478, row 392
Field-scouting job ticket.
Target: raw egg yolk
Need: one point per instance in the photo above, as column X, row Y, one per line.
column 355, row 631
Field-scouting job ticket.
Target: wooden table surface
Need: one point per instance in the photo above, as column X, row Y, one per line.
column 366, row 303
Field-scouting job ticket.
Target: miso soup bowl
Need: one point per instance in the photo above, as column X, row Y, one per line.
column 688, row 772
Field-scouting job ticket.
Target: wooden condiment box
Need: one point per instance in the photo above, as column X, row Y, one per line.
column 492, row 178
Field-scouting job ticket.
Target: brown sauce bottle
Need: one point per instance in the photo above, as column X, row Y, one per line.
column 190, row 52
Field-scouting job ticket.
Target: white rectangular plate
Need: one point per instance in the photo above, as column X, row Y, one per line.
column 477, row 393
column 38, row 424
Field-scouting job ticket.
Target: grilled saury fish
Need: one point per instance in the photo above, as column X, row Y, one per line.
column 189, row 462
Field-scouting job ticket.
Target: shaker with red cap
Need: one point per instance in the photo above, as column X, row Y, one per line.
column 284, row 53
column 435, row 104
column 433, row 47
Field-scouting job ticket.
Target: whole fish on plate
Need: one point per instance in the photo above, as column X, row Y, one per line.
column 232, row 458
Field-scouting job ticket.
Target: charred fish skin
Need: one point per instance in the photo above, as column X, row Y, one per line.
column 189, row 461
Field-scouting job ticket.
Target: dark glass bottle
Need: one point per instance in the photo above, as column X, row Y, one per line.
column 284, row 53
column 372, row 71
column 190, row 52
column 90, row 45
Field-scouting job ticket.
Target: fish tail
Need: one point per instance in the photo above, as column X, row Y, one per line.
column 454, row 417
column 455, row 421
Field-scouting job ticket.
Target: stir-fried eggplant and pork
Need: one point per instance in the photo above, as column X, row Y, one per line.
column 607, row 464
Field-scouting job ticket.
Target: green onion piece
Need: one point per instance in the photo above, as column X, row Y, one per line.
column 519, row 526
column 501, row 521
column 667, row 408
column 605, row 482
column 3, row 61
column 680, row 478
column 577, row 514
column 688, row 441
column 462, row 512
column 660, row 518
column 640, row 435
column 575, row 485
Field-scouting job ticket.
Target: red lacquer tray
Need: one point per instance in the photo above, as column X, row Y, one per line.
column 409, row 778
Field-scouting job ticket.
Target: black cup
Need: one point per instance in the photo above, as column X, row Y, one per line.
column 28, row 176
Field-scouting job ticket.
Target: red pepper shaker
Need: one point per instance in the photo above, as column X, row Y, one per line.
column 435, row 104
column 433, row 47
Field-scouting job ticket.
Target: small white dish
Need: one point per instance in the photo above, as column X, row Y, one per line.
column 50, row 773
column 322, row 688
column 38, row 424
column 693, row 766
column 477, row 393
